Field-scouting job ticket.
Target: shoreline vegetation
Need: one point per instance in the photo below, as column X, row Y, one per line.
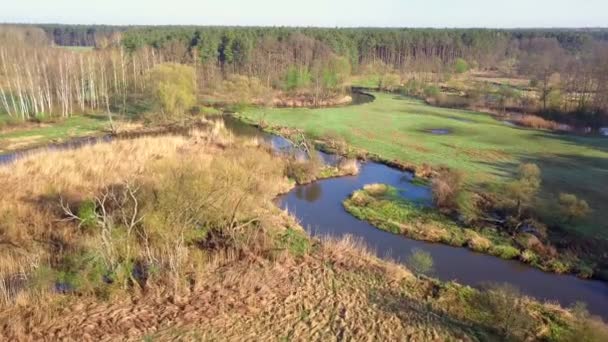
column 429, row 224
column 302, row 171
column 487, row 171
column 233, row 257
column 383, row 207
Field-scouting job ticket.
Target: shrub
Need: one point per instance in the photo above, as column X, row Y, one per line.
column 303, row 171
column 584, row 327
column 521, row 193
column 295, row 241
column 537, row 122
column 376, row 189
column 240, row 89
column 446, row 187
column 503, row 307
column 461, row 66
column 173, row 88
column 297, row 78
column 479, row 243
column 335, row 141
column 571, row 207
column 420, row 261
column 389, row 81
column 87, row 215
column 431, row 91
column 360, row 198
column 348, row 166
column 529, row 256
column 412, row 87
column 505, row 252
column 584, row 270
column 558, row 266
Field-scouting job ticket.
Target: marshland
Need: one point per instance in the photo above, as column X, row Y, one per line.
column 195, row 183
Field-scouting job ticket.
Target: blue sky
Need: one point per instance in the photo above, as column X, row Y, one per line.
column 384, row 13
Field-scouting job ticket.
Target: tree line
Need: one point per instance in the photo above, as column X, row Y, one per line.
column 39, row 77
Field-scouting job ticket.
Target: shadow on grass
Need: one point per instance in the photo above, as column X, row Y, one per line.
column 584, row 176
column 422, row 314
column 596, row 142
column 97, row 117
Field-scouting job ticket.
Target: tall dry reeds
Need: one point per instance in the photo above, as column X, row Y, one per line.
column 130, row 211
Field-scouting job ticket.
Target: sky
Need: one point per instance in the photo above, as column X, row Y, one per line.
column 327, row 13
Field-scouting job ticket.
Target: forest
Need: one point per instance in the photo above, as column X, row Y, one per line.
column 563, row 71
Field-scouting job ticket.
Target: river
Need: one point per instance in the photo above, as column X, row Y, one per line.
column 318, row 207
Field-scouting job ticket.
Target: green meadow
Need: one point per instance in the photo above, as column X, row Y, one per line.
column 488, row 151
column 46, row 132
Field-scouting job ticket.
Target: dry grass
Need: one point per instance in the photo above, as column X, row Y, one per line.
column 537, row 122
column 225, row 265
column 241, row 174
column 376, row 189
column 348, row 166
column 340, row 292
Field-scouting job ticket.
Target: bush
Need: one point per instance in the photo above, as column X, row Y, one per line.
column 420, row 261
column 584, row 270
column 87, row 215
column 520, row 194
column 537, row 122
column 173, row 88
column 296, row 242
column 376, row 189
column 303, row 171
column 584, row 327
column 571, row 207
column 446, row 187
column 297, row 78
column 461, row 66
column 503, row 307
column 412, row 87
column 348, row 166
column 389, row 81
column 529, row 257
column 431, row 91
column 558, row 266
column 505, row 252
column 479, row 243
column 239, row 89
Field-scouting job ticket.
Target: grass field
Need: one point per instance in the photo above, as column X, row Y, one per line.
column 38, row 134
column 488, row 150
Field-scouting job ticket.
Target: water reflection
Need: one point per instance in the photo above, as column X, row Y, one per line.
column 310, row 193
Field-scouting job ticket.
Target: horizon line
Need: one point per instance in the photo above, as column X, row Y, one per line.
column 320, row 27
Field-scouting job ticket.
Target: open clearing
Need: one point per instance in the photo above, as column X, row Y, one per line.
column 487, row 150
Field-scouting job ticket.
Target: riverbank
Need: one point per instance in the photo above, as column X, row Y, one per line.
column 398, row 131
column 210, row 256
column 525, row 247
column 29, row 135
column 386, row 208
column 254, row 253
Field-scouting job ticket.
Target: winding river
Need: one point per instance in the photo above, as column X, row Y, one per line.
column 318, row 206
